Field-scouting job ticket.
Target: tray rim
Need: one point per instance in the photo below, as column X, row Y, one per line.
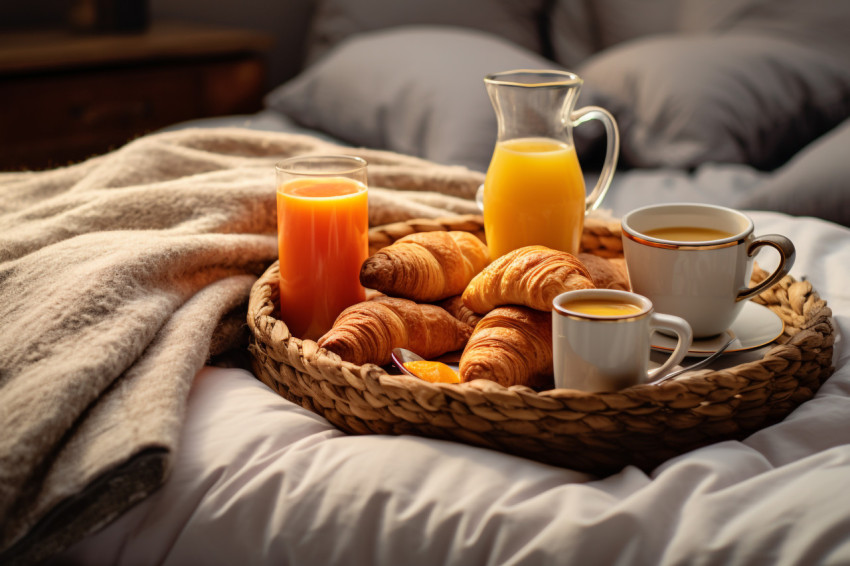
column 366, row 399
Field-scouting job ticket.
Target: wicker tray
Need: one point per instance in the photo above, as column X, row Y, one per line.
column 593, row 432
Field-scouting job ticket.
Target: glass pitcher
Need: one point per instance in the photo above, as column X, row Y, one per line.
column 534, row 190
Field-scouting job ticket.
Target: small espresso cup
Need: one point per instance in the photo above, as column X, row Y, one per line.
column 602, row 339
column 695, row 261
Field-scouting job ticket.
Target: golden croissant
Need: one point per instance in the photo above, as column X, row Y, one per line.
column 426, row 266
column 512, row 346
column 531, row 276
column 606, row 273
column 367, row 332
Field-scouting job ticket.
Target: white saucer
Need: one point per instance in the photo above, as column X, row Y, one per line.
column 755, row 327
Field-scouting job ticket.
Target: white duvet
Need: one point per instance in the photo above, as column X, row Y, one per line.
column 259, row 480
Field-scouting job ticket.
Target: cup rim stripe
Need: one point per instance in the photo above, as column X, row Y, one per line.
column 668, row 245
column 619, row 318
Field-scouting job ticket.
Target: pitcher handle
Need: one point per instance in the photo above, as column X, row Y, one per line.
column 612, row 151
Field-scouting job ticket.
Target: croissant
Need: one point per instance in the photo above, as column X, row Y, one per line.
column 530, row 276
column 459, row 310
column 606, row 273
column 512, row 346
column 426, row 266
column 367, row 332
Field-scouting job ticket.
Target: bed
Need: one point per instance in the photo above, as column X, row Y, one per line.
column 135, row 434
column 260, row 479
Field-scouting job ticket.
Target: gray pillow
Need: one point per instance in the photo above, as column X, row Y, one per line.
column 414, row 90
column 580, row 28
column 518, row 21
column 813, row 183
column 823, row 25
column 736, row 97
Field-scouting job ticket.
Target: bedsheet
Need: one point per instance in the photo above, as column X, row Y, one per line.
column 260, row 480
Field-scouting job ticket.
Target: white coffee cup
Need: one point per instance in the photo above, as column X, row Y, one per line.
column 704, row 281
column 609, row 352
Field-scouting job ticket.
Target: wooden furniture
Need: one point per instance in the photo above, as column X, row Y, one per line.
column 66, row 96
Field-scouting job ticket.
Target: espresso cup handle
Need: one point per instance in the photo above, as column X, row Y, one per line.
column 787, row 254
column 684, row 335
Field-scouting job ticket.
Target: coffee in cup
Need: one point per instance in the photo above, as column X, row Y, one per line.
column 688, row 234
column 602, row 307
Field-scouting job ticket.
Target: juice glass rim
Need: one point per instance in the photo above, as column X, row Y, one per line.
column 321, row 165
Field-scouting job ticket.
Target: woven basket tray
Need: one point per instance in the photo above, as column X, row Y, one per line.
column 594, row 432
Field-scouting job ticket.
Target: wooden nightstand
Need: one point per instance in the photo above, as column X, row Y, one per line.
column 66, row 96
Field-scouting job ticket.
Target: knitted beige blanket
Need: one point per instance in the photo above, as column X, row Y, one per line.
column 120, row 277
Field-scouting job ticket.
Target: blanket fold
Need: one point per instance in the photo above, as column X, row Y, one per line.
column 119, row 277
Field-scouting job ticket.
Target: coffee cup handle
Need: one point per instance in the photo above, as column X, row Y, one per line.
column 684, row 335
column 787, row 254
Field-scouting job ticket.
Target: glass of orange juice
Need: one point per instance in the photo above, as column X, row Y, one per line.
column 323, row 239
column 534, row 191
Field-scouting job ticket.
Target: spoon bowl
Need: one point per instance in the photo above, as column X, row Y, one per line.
column 412, row 364
column 402, row 355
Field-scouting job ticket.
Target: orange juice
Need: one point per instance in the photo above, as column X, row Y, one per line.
column 323, row 239
column 533, row 194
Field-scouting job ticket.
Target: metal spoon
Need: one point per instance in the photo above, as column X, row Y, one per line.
column 401, row 355
column 700, row 364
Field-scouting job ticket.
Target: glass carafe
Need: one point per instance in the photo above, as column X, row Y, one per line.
column 534, row 191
